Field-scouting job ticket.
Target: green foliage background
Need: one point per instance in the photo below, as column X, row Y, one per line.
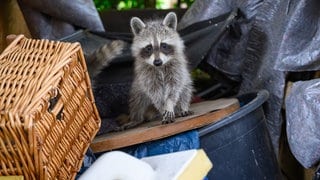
column 130, row 4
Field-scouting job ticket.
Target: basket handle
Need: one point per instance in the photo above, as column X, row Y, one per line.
column 13, row 43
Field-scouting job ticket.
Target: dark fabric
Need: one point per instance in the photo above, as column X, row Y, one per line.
column 56, row 19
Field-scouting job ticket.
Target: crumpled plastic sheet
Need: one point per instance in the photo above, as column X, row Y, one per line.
column 303, row 121
column 300, row 42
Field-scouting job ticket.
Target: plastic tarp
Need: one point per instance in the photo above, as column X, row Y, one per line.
column 303, row 115
column 299, row 48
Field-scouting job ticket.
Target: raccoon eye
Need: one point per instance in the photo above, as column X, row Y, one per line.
column 164, row 45
column 166, row 48
column 148, row 48
column 146, row 51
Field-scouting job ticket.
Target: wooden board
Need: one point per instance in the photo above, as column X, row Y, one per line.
column 205, row 113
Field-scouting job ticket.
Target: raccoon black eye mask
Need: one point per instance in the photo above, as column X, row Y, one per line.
column 164, row 48
column 147, row 51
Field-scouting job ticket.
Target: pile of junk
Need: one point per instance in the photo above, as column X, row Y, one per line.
column 235, row 47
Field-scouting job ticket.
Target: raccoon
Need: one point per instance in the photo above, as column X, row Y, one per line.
column 102, row 57
column 162, row 82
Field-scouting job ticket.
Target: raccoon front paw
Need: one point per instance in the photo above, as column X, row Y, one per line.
column 185, row 113
column 168, row 117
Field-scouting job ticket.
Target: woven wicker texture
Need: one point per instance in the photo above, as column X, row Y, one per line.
column 47, row 113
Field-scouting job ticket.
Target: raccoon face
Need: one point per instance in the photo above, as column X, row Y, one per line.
column 155, row 42
column 157, row 54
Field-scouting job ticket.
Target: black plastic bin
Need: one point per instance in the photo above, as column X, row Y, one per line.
column 239, row 145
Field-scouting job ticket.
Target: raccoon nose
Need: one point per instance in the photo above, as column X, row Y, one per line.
column 157, row 62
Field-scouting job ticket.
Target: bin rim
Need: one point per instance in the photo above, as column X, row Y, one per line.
column 261, row 97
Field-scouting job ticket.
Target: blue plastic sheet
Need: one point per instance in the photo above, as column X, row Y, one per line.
column 180, row 142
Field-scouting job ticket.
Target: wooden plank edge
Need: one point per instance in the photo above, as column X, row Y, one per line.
column 107, row 143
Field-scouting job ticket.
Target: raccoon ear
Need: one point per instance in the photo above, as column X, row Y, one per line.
column 136, row 25
column 171, row 20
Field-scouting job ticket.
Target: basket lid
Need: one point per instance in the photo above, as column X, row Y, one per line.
column 30, row 68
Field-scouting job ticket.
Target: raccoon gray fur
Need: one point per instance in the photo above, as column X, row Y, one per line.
column 102, row 57
column 162, row 81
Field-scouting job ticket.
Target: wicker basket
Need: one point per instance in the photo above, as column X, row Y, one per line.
column 47, row 113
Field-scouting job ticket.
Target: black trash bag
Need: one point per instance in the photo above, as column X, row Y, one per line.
column 300, row 42
column 303, row 115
